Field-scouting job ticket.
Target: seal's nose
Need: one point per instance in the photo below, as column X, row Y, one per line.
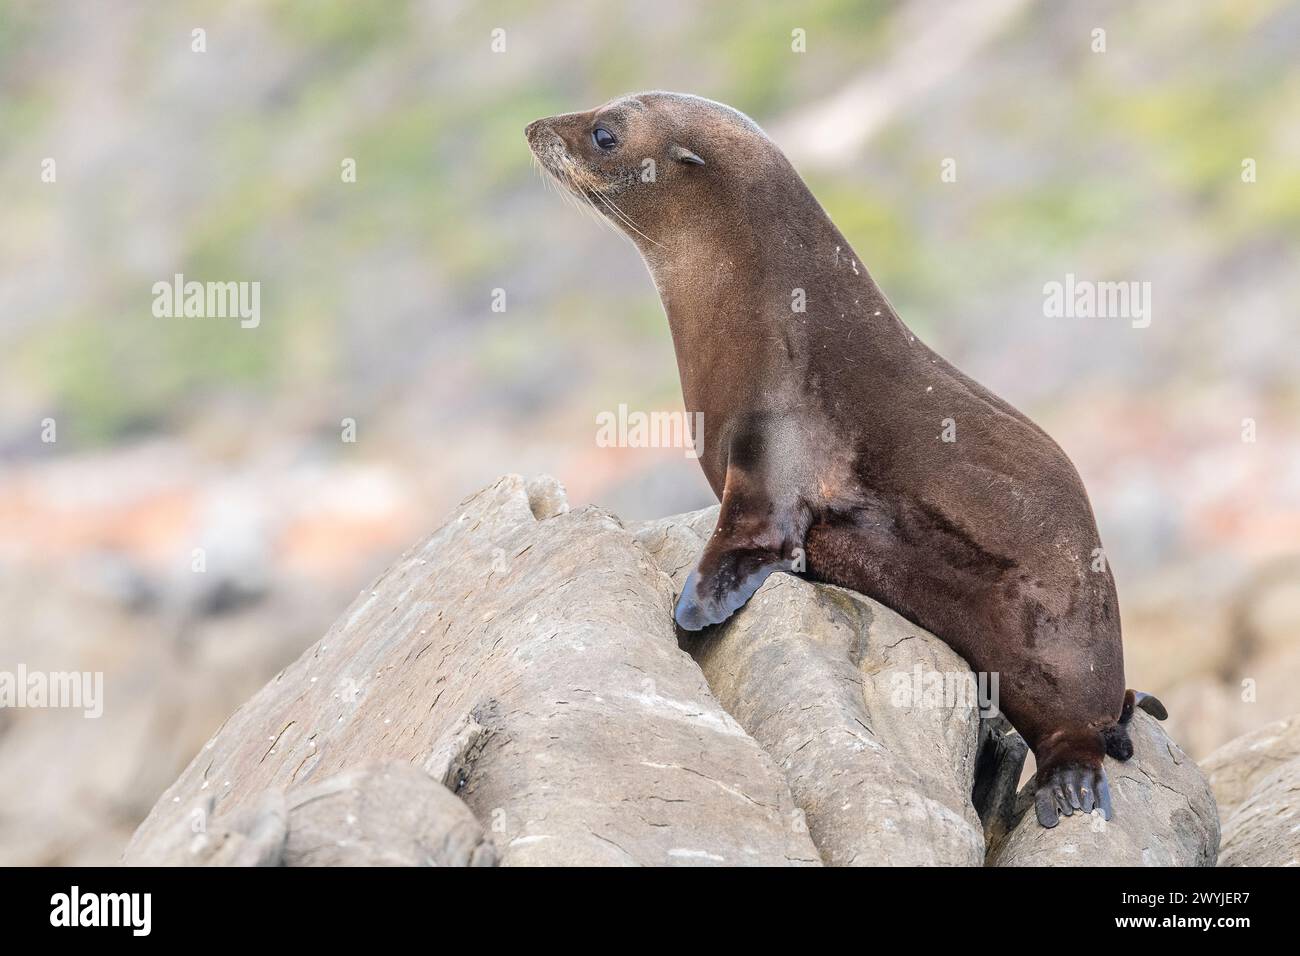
column 532, row 128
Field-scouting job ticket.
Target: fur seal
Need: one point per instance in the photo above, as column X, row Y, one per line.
column 825, row 427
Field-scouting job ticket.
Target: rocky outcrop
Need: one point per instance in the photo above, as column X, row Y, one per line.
column 526, row 655
column 513, row 691
column 1165, row 815
column 1256, row 779
column 377, row 815
column 832, row 685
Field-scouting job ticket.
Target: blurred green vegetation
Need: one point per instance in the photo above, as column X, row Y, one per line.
column 228, row 168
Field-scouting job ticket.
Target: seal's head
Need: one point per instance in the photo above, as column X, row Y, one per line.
column 652, row 163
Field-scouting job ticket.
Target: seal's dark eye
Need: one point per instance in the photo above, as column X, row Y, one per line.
column 603, row 138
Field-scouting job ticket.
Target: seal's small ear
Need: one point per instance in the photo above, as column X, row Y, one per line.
column 684, row 155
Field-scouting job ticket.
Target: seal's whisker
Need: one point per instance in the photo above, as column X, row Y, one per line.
column 578, row 187
column 580, row 200
column 563, row 185
column 596, row 212
column 627, row 220
column 576, row 190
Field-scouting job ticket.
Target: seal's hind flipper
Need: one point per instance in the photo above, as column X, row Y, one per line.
column 1151, row 704
column 1148, row 702
column 754, row 537
column 1072, row 787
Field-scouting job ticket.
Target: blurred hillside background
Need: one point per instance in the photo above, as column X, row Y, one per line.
column 175, row 434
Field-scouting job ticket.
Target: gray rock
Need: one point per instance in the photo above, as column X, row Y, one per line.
column 253, row 836
column 1165, row 815
column 825, row 680
column 376, row 815
column 998, row 769
column 513, row 690
column 390, row 814
column 1256, row 779
column 534, row 665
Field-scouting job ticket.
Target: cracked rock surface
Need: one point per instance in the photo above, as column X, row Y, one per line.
column 513, row 691
column 1256, row 779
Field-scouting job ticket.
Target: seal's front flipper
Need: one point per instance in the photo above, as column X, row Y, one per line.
column 754, row 537
column 712, row 600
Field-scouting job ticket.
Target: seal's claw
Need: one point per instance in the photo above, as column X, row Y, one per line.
column 1087, row 790
column 1063, row 800
column 1070, row 784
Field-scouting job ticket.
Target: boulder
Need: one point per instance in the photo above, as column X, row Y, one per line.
column 1256, row 779
column 383, row 815
column 528, row 659
column 254, row 835
column 513, row 690
column 376, row 815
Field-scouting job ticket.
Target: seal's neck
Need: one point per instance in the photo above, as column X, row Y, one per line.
column 746, row 277
column 766, row 247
